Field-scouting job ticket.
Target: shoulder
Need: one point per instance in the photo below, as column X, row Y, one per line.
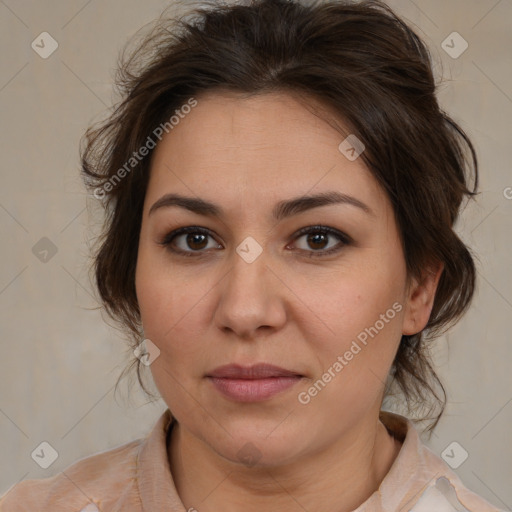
column 446, row 492
column 105, row 474
column 448, row 495
column 427, row 482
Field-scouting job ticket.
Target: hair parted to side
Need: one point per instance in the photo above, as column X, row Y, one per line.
column 371, row 72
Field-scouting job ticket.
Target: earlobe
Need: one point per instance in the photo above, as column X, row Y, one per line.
column 420, row 300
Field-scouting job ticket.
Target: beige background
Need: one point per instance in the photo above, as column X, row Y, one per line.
column 60, row 361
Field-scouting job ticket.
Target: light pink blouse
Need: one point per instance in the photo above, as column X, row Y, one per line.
column 136, row 477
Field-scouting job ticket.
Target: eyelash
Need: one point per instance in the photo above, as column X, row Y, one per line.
column 319, row 229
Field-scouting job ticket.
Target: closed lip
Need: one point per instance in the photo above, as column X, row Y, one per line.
column 256, row 371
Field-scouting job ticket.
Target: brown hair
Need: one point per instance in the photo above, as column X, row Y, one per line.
column 368, row 68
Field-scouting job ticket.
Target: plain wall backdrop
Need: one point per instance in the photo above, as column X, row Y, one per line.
column 60, row 360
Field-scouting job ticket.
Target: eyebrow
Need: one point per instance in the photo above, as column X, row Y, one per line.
column 281, row 210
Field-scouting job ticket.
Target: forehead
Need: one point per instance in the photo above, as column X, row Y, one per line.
column 256, row 148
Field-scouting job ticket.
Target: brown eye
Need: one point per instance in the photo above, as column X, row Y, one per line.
column 197, row 241
column 317, row 240
column 321, row 241
column 188, row 240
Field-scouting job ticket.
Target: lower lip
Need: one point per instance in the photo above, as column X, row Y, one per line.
column 253, row 390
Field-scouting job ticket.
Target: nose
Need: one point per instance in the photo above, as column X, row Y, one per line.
column 251, row 299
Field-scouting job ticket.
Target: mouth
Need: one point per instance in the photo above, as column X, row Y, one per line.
column 252, row 383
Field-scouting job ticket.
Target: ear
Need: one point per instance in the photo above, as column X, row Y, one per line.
column 420, row 299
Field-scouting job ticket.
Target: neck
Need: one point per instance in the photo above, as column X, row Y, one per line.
column 340, row 478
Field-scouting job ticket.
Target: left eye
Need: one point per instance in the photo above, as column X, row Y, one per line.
column 318, row 238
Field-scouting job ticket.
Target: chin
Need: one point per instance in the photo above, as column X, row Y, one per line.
column 257, row 453
column 258, row 443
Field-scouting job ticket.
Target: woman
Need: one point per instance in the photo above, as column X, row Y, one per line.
column 281, row 188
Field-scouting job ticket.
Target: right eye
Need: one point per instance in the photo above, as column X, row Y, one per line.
column 188, row 241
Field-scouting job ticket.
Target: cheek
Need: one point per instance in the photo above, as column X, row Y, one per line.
column 346, row 304
column 168, row 310
column 361, row 316
column 355, row 356
column 158, row 291
column 172, row 310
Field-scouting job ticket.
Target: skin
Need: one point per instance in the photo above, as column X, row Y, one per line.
column 285, row 308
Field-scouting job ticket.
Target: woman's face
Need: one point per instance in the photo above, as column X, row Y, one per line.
column 245, row 288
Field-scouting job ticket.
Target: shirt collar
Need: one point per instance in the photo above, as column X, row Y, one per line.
column 157, row 489
column 156, row 485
